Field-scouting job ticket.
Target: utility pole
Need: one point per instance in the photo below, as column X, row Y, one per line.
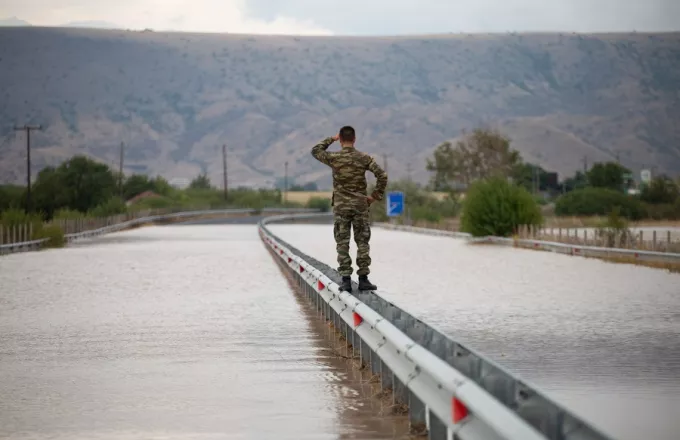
column 285, row 184
column 27, row 129
column 224, row 170
column 585, row 164
column 408, row 171
column 120, row 170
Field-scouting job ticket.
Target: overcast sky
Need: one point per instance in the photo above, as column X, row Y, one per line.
column 356, row 17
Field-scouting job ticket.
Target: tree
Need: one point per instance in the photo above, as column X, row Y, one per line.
column 530, row 176
column 660, row 190
column 598, row 201
column 135, row 185
column 80, row 184
column 12, row 196
column 578, row 181
column 608, row 175
column 479, row 155
column 495, row 207
column 87, row 183
column 200, row 182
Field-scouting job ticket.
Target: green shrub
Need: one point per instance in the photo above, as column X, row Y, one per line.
column 599, row 201
column 154, row 203
column 319, row 203
column 17, row 218
column 113, row 206
column 53, row 234
column 67, row 214
column 497, row 207
column 665, row 211
column 426, row 213
column 419, row 203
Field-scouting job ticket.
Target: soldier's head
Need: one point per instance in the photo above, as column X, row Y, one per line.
column 347, row 135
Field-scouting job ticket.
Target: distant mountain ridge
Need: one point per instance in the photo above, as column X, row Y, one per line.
column 176, row 98
column 13, row 21
column 94, row 24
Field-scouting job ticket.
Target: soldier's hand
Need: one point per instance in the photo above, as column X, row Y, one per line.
column 370, row 200
column 336, row 137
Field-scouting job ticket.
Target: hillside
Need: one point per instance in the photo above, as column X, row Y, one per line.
column 175, row 98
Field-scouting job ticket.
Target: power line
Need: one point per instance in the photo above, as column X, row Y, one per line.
column 27, row 129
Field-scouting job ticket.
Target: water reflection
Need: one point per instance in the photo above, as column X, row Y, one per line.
column 167, row 332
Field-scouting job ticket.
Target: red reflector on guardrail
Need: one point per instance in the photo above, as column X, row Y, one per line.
column 459, row 410
column 302, row 269
column 290, row 259
column 281, row 252
column 320, row 285
column 357, row 319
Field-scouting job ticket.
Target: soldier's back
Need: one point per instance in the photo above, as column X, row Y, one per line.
column 349, row 167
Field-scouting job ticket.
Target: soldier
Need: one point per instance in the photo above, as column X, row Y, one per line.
column 351, row 203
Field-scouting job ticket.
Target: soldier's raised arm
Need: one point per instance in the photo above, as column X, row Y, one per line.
column 381, row 180
column 319, row 151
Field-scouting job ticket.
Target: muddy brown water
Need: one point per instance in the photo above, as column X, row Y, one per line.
column 601, row 338
column 173, row 332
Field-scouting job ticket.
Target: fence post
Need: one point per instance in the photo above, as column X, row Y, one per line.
column 668, row 240
column 641, row 240
column 654, row 240
column 2, row 235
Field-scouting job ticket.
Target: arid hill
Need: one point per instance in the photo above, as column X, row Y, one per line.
column 175, row 98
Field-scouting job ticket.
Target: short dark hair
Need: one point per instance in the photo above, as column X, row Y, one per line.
column 347, row 134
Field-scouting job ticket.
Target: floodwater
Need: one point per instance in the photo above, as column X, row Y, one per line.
column 601, row 338
column 171, row 332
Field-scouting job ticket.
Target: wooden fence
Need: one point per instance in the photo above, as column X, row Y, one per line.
column 23, row 233
column 654, row 240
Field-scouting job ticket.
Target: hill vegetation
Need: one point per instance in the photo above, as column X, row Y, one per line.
column 175, row 98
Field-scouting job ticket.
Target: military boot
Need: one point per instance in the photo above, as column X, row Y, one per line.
column 364, row 284
column 346, row 284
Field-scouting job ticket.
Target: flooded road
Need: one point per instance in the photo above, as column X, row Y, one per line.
column 171, row 332
column 601, row 338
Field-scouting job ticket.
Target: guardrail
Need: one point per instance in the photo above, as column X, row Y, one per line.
column 560, row 248
column 38, row 244
column 449, row 388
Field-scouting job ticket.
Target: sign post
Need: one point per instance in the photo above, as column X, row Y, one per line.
column 395, row 203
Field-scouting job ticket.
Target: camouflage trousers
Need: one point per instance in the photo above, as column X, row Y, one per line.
column 342, row 224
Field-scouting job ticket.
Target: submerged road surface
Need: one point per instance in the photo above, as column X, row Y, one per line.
column 602, row 338
column 176, row 332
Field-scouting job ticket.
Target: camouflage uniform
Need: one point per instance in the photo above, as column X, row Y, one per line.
column 350, row 206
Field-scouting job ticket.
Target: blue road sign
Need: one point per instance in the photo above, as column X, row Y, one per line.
column 395, row 203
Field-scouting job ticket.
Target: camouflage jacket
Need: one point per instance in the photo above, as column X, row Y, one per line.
column 349, row 176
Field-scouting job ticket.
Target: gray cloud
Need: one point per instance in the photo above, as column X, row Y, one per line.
column 437, row 16
column 363, row 17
